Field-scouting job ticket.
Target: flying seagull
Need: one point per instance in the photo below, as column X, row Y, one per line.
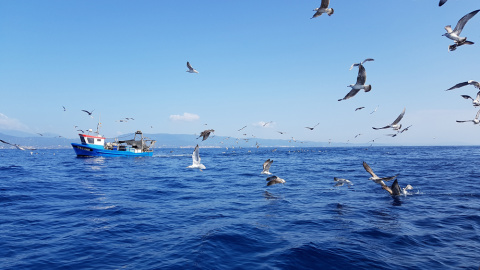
column 395, row 189
column 64, row 109
column 311, row 128
column 374, row 110
column 272, row 180
column 470, row 82
column 17, row 146
column 361, row 63
column 266, row 166
column 323, row 9
column 205, row 134
column 190, row 68
column 442, row 2
column 196, row 160
column 476, row 101
column 455, row 33
column 359, row 108
column 395, row 124
column 342, row 181
column 375, row 178
column 359, row 85
column 475, row 121
column 89, row 113
column 242, row 128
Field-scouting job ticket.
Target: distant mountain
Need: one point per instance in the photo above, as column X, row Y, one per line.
column 163, row 141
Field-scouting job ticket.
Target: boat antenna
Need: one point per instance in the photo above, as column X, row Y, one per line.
column 98, row 126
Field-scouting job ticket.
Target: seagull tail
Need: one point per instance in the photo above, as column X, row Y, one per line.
column 368, row 88
column 330, row 12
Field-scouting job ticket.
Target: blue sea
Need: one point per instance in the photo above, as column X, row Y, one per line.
column 63, row 212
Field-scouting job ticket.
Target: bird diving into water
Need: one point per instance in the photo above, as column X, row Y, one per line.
column 455, row 33
column 323, row 9
column 396, row 190
column 272, row 180
column 191, row 69
column 359, row 85
column 196, row 160
column 395, row 124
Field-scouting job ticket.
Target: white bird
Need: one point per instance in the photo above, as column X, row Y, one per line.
column 361, row 63
column 396, row 190
column 476, row 101
column 359, row 85
column 342, row 181
column 374, row 110
column 375, row 178
column 455, row 33
column 191, row 69
column 196, row 160
column 475, row 121
column 272, row 180
column 462, row 84
column 442, row 2
column 266, row 166
column 323, row 9
column 395, row 124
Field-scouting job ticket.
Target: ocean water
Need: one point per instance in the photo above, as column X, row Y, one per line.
column 63, row 212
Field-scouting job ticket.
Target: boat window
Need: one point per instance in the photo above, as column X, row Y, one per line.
column 99, row 140
column 82, row 139
column 90, row 140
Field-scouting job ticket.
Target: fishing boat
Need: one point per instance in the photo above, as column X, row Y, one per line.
column 96, row 146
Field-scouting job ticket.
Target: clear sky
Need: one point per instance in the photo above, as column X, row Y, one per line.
column 258, row 62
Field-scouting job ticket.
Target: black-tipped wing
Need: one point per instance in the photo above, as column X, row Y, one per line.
column 461, row 23
column 399, row 117
column 442, row 2
column 458, row 85
column 389, row 178
column 396, row 188
column 350, row 94
column 362, row 75
column 467, row 97
column 368, row 59
column 325, row 4
column 189, row 66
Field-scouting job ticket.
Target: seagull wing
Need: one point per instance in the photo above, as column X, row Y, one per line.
column 478, row 114
column 325, row 4
column 369, row 170
column 189, row 66
column 478, row 96
column 368, row 59
column 461, row 23
column 458, row 85
column 267, row 164
column 196, row 156
column 467, row 97
column 350, row 94
column 362, row 75
column 442, row 2
column 399, row 117
column 389, row 178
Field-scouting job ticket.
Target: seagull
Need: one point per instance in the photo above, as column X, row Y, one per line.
column 64, row 109
column 272, row 180
column 89, row 113
column 361, row 63
column 442, row 2
column 191, row 69
column 281, row 132
column 374, row 110
column 395, row 124
column 311, row 128
column 266, row 166
column 395, row 189
column 267, row 123
column 375, row 178
column 360, row 84
column 476, row 101
column 196, row 160
column 323, row 9
column 242, row 128
column 205, row 134
column 475, row 121
column 16, row 145
column 40, row 134
column 405, row 129
column 470, row 82
column 359, row 108
column 358, row 135
column 454, row 35
column 341, row 182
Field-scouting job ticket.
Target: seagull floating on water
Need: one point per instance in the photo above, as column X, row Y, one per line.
column 395, row 189
column 205, row 134
column 395, row 124
column 375, row 178
column 359, row 85
column 475, row 121
column 455, row 33
column 266, row 166
column 323, row 9
column 476, row 101
column 190, row 68
column 272, row 180
column 196, row 160
column 341, row 181
column 361, row 63
column 462, row 84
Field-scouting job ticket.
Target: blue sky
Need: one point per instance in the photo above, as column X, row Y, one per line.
column 258, row 61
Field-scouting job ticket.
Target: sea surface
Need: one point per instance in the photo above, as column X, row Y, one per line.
column 58, row 211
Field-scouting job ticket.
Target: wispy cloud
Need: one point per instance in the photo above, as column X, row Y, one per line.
column 11, row 124
column 185, row 117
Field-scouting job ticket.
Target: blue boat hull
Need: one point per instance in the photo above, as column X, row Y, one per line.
column 83, row 150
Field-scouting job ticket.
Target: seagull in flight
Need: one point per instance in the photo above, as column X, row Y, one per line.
column 361, row 63
column 395, row 189
column 462, row 84
column 205, row 134
column 89, row 113
column 442, row 2
column 395, row 124
column 311, row 128
column 359, row 85
column 17, row 146
column 64, row 109
column 374, row 110
column 359, row 108
column 475, row 121
column 196, row 160
column 323, row 9
column 242, row 128
column 455, row 33
column 190, row 68
column 266, row 166
column 375, row 178
column 341, row 181
column 476, row 101
column 272, row 180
